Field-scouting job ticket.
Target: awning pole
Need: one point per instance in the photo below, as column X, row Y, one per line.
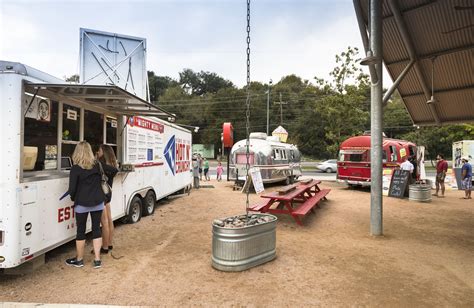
column 376, row 110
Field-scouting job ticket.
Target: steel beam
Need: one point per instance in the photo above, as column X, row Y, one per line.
column 394, row 86
column 414, row 8
column 376, row 120
column 364, row 36
column 469, row 87
column 436, row 54
column 411, row 52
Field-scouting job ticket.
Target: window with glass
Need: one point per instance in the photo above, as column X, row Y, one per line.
column 393, row 153
column 111, row 131
column 71, row 123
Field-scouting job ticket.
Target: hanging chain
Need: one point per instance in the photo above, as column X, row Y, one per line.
column 247, row 103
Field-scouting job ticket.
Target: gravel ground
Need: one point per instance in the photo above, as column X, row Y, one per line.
column 424, row 259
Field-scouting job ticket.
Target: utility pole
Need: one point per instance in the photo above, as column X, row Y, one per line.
column 268, row 107
column 281, row 103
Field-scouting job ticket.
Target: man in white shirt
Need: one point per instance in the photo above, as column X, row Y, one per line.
column 407, row 165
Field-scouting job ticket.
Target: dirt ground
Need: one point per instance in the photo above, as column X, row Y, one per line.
column 426, row 258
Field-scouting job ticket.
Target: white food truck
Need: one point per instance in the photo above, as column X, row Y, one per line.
column 43, row 120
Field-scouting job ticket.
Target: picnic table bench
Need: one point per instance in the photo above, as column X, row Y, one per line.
column 295, row 200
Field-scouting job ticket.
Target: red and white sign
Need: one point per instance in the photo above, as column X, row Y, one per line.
column 144, row 123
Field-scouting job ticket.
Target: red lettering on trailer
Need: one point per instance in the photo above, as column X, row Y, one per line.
column 65, row 213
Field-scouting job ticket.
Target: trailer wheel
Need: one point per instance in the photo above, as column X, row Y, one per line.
column 149, row 204
column 135, row 210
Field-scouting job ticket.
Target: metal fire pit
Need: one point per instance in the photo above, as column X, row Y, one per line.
column 237, row 249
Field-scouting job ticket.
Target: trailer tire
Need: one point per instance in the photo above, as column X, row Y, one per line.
column 135, row 210
column 149, row 203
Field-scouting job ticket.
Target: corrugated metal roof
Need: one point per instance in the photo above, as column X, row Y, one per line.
column 436, row 28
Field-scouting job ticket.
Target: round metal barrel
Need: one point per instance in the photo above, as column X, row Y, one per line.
column 238, row 249
column 420, row 192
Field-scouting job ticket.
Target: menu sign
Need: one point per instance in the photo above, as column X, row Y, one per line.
column 399, row 183
column 145, row 141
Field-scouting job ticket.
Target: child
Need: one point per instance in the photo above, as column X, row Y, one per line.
column 219, row 170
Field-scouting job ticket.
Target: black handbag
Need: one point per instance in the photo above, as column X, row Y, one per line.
column 104, row 184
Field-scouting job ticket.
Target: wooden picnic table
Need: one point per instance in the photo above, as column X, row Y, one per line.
column 296, row 202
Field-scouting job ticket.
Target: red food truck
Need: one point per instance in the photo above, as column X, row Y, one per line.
column 353, row 165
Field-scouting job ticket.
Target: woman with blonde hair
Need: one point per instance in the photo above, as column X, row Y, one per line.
column 86, row 192
column 106, row 157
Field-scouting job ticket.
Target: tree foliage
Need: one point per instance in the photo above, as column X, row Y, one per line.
column 318, row 115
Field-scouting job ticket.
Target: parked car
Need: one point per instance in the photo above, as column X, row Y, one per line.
column 328, row 166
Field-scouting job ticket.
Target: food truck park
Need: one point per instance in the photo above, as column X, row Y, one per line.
column 273, row 231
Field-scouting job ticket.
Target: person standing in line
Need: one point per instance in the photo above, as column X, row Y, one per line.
column 199, row 160
column 195, row 172
column 441, row 170
column 206, row 169
column 219, row 171
column 86, row 192
column 466, row 175
column 106, row 157
column 408, row 166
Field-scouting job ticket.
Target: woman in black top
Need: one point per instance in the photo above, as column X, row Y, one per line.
column 86, row 191
column 107, row 158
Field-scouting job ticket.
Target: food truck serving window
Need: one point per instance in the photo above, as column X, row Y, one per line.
column 40, row 143
column 93, row 129
column 71, row 123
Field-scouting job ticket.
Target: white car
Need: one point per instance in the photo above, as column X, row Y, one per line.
column 328, row 166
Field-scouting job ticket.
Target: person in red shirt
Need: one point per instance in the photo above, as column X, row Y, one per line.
column 441, row 169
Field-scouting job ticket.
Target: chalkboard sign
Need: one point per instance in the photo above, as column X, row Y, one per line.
column 398, row 184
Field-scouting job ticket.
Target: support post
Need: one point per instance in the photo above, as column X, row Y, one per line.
column 268, row 107
column 228, row 164
column 376, row 111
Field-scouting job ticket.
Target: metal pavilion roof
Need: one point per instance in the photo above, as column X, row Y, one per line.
column 414, row 33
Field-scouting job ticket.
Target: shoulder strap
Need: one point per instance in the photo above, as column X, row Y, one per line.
column 101, row 169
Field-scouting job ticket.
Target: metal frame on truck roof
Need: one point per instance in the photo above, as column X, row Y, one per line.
column 110, row 98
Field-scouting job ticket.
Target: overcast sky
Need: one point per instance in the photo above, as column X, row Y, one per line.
column 288, row 37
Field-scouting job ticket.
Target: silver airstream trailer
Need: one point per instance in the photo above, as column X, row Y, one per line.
column 276, row 160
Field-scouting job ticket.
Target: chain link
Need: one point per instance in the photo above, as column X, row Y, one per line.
column 247, row 103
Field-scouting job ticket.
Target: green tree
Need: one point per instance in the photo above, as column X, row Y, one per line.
column 159, row 84
column 73, row 78
column 396, row 120
column 202, row 83
column 440, row 139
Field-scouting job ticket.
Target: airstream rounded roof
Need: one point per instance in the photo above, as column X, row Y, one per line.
column 263, row 143
column 364, row 142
